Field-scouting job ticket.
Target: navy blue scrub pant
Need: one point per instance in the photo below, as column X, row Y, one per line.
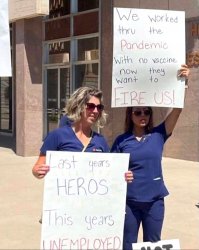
column 150, row 214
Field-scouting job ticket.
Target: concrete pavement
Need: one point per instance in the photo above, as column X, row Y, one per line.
column 21, row 202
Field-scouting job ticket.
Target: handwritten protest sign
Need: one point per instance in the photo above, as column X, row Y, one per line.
column 173, row 244
column 84, row 201
column 148, row 50
column 5, row 58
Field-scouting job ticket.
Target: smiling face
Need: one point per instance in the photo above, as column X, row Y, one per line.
column 141, row 116
column 92, row 111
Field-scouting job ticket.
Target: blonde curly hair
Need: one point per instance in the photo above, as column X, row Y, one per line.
column 77, row 103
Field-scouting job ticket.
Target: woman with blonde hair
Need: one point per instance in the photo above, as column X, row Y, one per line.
column 85, row 109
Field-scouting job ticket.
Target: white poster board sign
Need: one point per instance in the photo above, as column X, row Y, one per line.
column 5, row 58
column 173, row 244
column 84, row 201
column 148, row 50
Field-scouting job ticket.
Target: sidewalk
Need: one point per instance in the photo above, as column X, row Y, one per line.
column 182, row 216
column 21, row 202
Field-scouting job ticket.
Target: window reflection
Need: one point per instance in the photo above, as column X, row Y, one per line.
column 87, row 5
column 52, row 100
column 64, row 87
column 59, row 8
column 88, row 44
column 58, row 52
column 86, row 75
column 72, row 52
column 52, row 82
column 56, row 29
column 86, row 23
column 6, row 104
column 58, row 91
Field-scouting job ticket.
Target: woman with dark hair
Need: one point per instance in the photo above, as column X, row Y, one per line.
column 129, row 124
column 146, row 192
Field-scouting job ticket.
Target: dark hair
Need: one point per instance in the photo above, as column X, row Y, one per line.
column 128, row 125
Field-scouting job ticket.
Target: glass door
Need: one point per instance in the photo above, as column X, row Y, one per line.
column 57, row 92
column 6, row 104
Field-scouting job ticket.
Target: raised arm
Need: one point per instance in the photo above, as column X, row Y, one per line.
column 173, row 116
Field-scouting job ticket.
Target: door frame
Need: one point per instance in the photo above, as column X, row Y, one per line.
column 45, row 101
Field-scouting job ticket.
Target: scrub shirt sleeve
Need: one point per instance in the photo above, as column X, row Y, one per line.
column 115, row 147
column 65, row 121
column 106, row 147
column 100, row 141
column 162, row 130
column 50, row 143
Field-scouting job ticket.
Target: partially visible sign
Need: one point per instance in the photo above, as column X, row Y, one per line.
column 160, row 245
column 5, row 58
column 19, row 9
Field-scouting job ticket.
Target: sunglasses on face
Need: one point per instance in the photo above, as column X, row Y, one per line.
column 92, row 106
column 145, row 112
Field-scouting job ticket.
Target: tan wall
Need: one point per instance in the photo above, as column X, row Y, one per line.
column 184, row 143
column 28, row 80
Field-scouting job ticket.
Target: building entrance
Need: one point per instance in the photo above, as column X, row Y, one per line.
column 57, row 92
column 6, row 105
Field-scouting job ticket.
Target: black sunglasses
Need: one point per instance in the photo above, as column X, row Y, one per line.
column 92, row 106
column 145, row 112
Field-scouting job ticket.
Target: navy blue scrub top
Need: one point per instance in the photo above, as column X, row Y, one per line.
column 64, row 121
column 64, row 139
column 145, row 162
